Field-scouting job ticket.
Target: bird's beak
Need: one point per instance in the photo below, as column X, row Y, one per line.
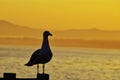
column 50, row 34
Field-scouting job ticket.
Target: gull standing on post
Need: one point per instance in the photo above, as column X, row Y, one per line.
column 43, row 55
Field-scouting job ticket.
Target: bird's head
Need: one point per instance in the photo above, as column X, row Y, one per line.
column 47, row 33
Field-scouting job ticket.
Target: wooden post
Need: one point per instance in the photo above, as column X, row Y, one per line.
column 42, row 76
column 9, row 76
column 12, row 76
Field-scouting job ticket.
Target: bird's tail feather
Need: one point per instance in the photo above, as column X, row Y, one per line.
column 28, row 64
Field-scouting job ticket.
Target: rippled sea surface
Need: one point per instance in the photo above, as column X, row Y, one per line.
column 66, row 64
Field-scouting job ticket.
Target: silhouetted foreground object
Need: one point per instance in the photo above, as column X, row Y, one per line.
column 12, row 76
column 43, row 55
column 42, row 77
column 9, row 76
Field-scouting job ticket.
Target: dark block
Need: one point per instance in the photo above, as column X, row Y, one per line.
column 9, row 76
column 26, row 79
column 42, row 76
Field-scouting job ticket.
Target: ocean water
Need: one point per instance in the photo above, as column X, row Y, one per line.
column 66, row 64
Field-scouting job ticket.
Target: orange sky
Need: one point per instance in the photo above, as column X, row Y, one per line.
column 62, row 14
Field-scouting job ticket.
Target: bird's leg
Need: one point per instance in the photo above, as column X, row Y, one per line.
column 43, row 68
column 37, row 68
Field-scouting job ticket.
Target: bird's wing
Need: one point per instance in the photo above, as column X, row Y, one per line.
column 42, row 56
column 39, row 56
column 34, row 55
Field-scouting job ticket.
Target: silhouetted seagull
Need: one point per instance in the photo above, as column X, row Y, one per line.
column 43, row 55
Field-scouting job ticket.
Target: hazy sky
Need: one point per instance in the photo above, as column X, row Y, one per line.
column 62, row 14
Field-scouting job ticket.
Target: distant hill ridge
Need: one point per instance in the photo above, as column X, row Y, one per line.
column 8, row 29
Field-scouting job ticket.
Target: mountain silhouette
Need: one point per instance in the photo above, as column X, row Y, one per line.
column 8, row 29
